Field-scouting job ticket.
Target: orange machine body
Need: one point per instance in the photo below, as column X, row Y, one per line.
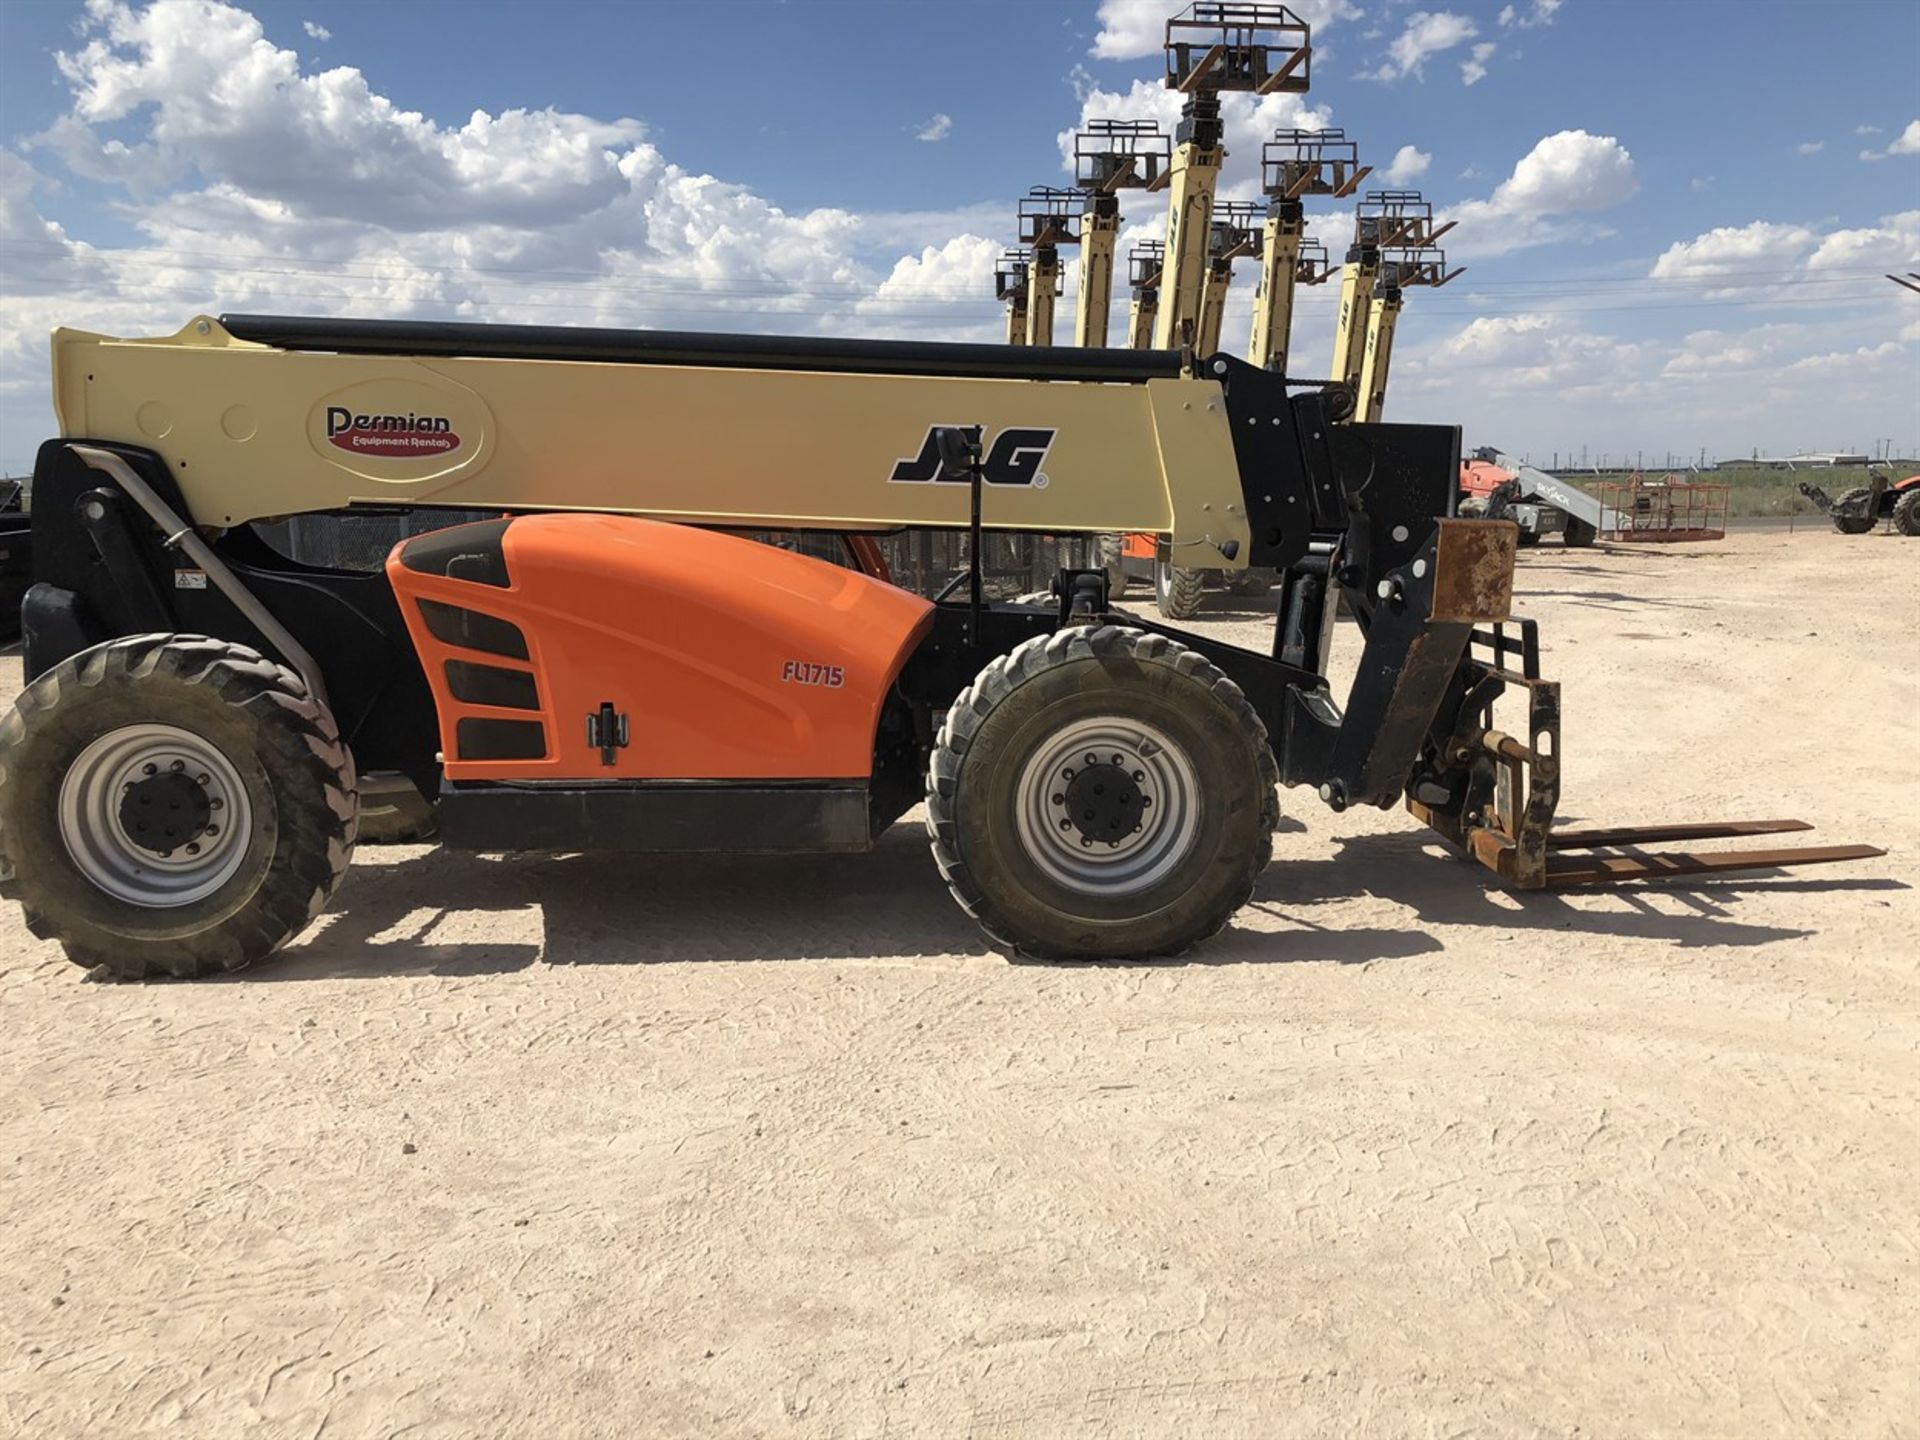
column 605, row 647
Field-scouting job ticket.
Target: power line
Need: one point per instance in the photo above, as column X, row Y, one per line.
column 155, row 259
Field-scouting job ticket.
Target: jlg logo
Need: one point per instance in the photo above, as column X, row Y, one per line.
column 1015, row 457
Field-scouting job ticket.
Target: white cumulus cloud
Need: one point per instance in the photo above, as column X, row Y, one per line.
column 936, row 129
column 316, row 31
column 1541, row 13
column 1730, row 250
column 1407, row 165
column 1907, row 142
column 1568, row 173
column 1427, row 33
column 1474, row 68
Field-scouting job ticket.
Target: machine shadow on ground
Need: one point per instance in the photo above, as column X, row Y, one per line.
column 389, row 919
column 1413, row 869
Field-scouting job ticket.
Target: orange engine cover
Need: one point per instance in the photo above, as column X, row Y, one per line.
column 728, row 659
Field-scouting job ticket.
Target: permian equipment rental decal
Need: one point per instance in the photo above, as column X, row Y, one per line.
column 398, row 437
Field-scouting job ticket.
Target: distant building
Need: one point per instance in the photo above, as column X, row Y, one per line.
column 1794, row 462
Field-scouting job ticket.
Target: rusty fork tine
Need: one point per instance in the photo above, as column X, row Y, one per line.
column 1660, row 834
column 1613, row 869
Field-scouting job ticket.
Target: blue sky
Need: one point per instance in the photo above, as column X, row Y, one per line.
column 1673, row 237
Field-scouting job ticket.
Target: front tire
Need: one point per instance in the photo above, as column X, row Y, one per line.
column 1579, row 534
column 172, row 805
column 1906, row 513
column 1101, row 794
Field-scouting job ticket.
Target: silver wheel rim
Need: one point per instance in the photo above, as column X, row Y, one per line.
column 1124, row 864
column 91, row 795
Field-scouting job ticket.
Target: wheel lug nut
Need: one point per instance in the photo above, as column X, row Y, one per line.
column 215, row 830
column 193, row 848
column 1092, row 759
column 149, row 769
column 1086, row 841
column 1059, row 799
column 215, row 803
column 1066, row 824
column 1119, row 759
column 1138, row 776
column 178, row 766
column 201, row 779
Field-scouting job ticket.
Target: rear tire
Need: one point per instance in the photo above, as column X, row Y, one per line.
column 1043, row 787
column 1177, row 590
column 393, row 812
column 1578, row 534
column 1110, row 552
column 1254, row 582
column 1853, row 524
column 1906, row 512
column 103, row 756
column 1528, row 538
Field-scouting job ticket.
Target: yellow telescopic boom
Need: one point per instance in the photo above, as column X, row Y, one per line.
column 1211, row 50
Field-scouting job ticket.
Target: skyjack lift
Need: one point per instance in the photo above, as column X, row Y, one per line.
column 1213, row 49
column 1048, row 219
column 1110, row 156
column 1399, row 220
column 1293, row 165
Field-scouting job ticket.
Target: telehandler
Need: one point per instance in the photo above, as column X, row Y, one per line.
column 605, row 667
column 596, row 670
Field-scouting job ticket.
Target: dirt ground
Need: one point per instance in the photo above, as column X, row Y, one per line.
column 613, row 1147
